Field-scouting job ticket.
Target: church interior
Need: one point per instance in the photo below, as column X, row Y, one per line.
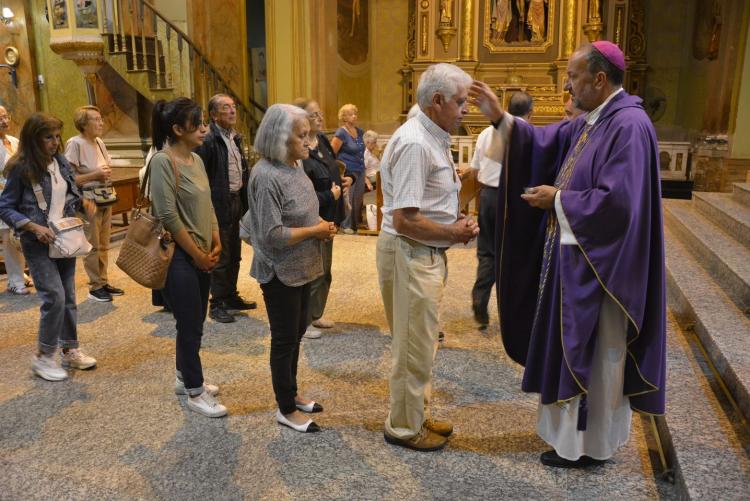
column 118, row 432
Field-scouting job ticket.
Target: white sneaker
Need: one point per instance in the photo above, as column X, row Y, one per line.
column 47, row 367
column 76, row 359
column 323, row 323
column 207, row 405
column 179, row 388
column 311, row 333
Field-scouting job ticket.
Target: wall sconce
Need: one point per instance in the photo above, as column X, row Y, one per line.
column 7, row 16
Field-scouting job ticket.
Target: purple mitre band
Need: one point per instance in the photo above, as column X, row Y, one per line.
column 612, row 52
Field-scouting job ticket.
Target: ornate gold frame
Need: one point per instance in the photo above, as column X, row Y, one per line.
column 526, row 47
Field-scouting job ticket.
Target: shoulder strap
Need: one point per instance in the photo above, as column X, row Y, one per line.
column 39, row 194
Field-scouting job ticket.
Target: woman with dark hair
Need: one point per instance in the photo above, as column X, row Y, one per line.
column 181, row 199
column 284, row 227
column 320, row 166
column 40, row 189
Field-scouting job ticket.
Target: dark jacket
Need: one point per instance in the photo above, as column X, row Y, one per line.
column 322, row 170
column 215, row 157
column 18, row 204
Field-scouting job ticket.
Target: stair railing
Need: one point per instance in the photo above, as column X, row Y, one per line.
column 155, row 45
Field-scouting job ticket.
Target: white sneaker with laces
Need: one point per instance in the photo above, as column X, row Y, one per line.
column 207, row 405
column 47, row 367
column 179, row 388
column 76, row 359
column 311, row 333
column 323, row 323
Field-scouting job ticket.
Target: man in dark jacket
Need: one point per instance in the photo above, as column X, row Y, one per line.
column 227, row 172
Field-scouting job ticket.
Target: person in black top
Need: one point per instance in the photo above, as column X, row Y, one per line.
column 227, row 172
column 330, row 187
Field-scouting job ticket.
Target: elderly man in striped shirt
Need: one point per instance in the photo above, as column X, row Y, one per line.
column 420, row 221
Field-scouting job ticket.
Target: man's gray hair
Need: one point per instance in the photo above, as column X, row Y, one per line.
column 443, row 78
column 213, row 103
column 274, row 131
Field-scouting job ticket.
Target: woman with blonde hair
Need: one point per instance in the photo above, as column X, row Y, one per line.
column 349, row 145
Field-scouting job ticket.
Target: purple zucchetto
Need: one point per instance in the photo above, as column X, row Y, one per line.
column 611, row 52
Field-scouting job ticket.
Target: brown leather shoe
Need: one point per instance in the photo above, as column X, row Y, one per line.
column 424, row 441
column 443, row 428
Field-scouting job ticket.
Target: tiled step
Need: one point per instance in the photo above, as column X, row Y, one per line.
column 741, row 193
column 700, row 438
column 727, row 260
column 722, row 328
column 732, row 216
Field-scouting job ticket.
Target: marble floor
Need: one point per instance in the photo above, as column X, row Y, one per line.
column 119, row 432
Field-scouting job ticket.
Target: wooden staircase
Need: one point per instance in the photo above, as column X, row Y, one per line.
column 160, row 61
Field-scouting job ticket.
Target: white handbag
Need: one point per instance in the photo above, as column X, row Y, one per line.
column 70, row 239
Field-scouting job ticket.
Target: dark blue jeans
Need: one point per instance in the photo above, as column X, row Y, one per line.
column 54, row 280
column 287, row 315
column 480, row 294
column 186, row 292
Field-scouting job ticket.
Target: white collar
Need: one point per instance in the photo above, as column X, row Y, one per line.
column 593, row 116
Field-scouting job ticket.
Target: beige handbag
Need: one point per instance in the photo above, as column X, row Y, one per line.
column 147, row 250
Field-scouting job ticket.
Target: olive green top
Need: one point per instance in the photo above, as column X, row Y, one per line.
column 191, row 209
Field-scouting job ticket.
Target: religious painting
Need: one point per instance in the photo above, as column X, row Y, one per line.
column 86, row 16
column 353, row 33
column 59, row 14
column 707, row 29
column 518, row 25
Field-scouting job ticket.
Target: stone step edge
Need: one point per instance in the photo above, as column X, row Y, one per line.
column 684, row 310
column 741, row 193
column 734, row 281
column 705, row 204
column 688, row 479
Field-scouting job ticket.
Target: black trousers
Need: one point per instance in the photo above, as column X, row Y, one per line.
column 480, row 294
column 224, row 275
column 187, row 292
column 287, row 316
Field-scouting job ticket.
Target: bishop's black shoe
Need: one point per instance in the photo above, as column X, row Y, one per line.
column 550, row 458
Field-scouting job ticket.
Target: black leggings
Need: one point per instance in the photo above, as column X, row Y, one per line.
column 287, row 314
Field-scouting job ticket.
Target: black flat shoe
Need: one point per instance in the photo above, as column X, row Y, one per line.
column 550, row 458
column 310, row 408
column 309, row 427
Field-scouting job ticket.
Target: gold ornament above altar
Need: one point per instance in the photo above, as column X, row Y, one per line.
column 446, row 29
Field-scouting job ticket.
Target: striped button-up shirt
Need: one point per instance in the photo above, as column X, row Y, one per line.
column 417, row 171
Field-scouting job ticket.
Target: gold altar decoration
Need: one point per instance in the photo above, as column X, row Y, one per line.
column 519, row 25
column 525, row 46
column 594, row 27
column 446, row 30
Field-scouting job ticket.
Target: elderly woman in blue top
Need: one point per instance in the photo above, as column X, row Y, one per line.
column 349, row 145
column 286, row 233
column 38, row 163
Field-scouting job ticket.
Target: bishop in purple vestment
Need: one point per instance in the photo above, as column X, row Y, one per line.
column 580, row 260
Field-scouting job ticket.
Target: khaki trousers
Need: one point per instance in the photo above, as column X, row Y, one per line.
column 97, row 233
column 412, row 277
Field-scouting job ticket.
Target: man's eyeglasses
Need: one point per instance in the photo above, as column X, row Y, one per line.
column 315, row 114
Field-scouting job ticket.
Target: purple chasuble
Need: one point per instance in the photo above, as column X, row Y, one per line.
column 550, row 295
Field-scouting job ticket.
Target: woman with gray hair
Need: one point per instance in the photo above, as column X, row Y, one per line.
column 286, row 232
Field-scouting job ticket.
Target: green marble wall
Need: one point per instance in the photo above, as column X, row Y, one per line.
column 64, row 87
